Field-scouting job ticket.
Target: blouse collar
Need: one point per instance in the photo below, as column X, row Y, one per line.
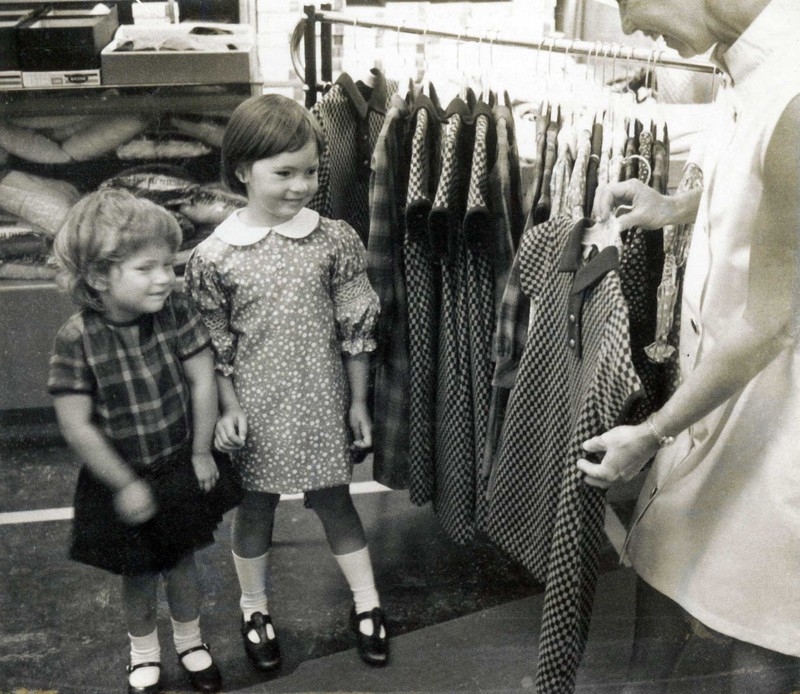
column 777, row 25
column 237, row 233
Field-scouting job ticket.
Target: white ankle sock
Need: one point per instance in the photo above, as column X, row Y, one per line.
column 253, row 575
column 357, row 569
column 187, row 635
column 145, row 649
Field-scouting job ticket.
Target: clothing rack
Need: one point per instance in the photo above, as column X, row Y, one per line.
column 305, row 31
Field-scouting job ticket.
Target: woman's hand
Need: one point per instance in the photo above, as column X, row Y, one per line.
column 231, row 430
column 135, row 503
column 626, row 451
column 650, row 210
column 205, row 468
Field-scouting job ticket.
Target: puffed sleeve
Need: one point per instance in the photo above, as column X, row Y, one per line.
column 69, row 368
column 207, row 292
column 356, row 304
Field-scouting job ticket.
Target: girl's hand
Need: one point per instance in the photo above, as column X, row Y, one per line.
column 205, row 468
column 361, row 426
column 134, row 503
column 231, row 430
column 627, row 450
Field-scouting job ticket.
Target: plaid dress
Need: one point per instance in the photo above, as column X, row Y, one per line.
column 385, row 269
column 141, row 402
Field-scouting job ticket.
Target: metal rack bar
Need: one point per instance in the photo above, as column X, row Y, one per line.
column 597, row 50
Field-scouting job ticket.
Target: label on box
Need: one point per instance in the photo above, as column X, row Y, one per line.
column 69, row 78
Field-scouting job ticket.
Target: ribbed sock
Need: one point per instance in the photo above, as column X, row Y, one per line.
column 357, row 569
column 253, row 575
column 187, row 635
column 145, row 649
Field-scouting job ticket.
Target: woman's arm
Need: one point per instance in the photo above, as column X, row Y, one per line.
column 767, row 326
column 199, row 370
column 133, row 499
column 357, row 368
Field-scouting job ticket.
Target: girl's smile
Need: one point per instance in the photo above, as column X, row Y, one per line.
column 279, row 187
column 139, row 284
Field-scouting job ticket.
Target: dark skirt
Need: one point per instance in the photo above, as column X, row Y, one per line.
column 184, row 522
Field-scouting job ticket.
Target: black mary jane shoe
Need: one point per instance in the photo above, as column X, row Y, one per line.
column 149, row 689
column 206, row 680
column 373, row 649
column 265, row 654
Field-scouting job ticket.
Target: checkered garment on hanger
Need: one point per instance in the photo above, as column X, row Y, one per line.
column 385, row 270
column 479, row 233
column 423, row 300
column 454, row 469
column 351, row 125
column 540, row 510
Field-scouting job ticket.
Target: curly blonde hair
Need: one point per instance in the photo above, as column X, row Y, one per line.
column 103, row 228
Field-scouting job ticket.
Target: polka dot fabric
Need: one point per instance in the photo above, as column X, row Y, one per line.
column 281, row 311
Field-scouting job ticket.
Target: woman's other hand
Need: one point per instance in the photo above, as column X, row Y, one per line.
column 625, row 450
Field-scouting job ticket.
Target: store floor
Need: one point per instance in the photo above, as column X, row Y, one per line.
column 463, row 619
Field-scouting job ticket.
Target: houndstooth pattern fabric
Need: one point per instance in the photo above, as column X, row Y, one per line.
column 344, row 170
column 540, row 510
column 423, row 306
column 479, row 231
column 454, row 472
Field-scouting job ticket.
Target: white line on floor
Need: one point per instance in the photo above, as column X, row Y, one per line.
column 60, row 514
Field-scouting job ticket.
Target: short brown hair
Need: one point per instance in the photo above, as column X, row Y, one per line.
column 103, row 228
column 264, row 126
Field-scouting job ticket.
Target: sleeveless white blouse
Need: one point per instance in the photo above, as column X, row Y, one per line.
column 718, row 521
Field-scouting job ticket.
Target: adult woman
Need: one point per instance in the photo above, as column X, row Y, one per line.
column 716, row 530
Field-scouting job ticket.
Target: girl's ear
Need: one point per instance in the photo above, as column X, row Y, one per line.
column 243, row 173
column 97, row 280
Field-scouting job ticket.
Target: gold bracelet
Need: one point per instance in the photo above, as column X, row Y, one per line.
column 662, row 440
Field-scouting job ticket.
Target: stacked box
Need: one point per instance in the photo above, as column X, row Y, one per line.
column 62, row 47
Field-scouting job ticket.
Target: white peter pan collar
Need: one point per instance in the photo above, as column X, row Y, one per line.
column 237, row 233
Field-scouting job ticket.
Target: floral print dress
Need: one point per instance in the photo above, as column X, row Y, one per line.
column 282, row 306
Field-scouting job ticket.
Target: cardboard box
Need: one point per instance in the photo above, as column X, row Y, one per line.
column 65, row 40
column 8, row 40
column 61, row 78
column 221, row 66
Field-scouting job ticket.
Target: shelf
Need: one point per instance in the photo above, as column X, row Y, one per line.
column 121, row 99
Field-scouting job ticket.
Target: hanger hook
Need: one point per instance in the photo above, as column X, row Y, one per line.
column 550, row 56
column 614, row 57
column 538, row 53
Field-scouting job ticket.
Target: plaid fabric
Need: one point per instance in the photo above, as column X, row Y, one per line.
column 386, row 274
column 134, row 375
column 541, row 511
column 351, row 124
column 423, row 300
